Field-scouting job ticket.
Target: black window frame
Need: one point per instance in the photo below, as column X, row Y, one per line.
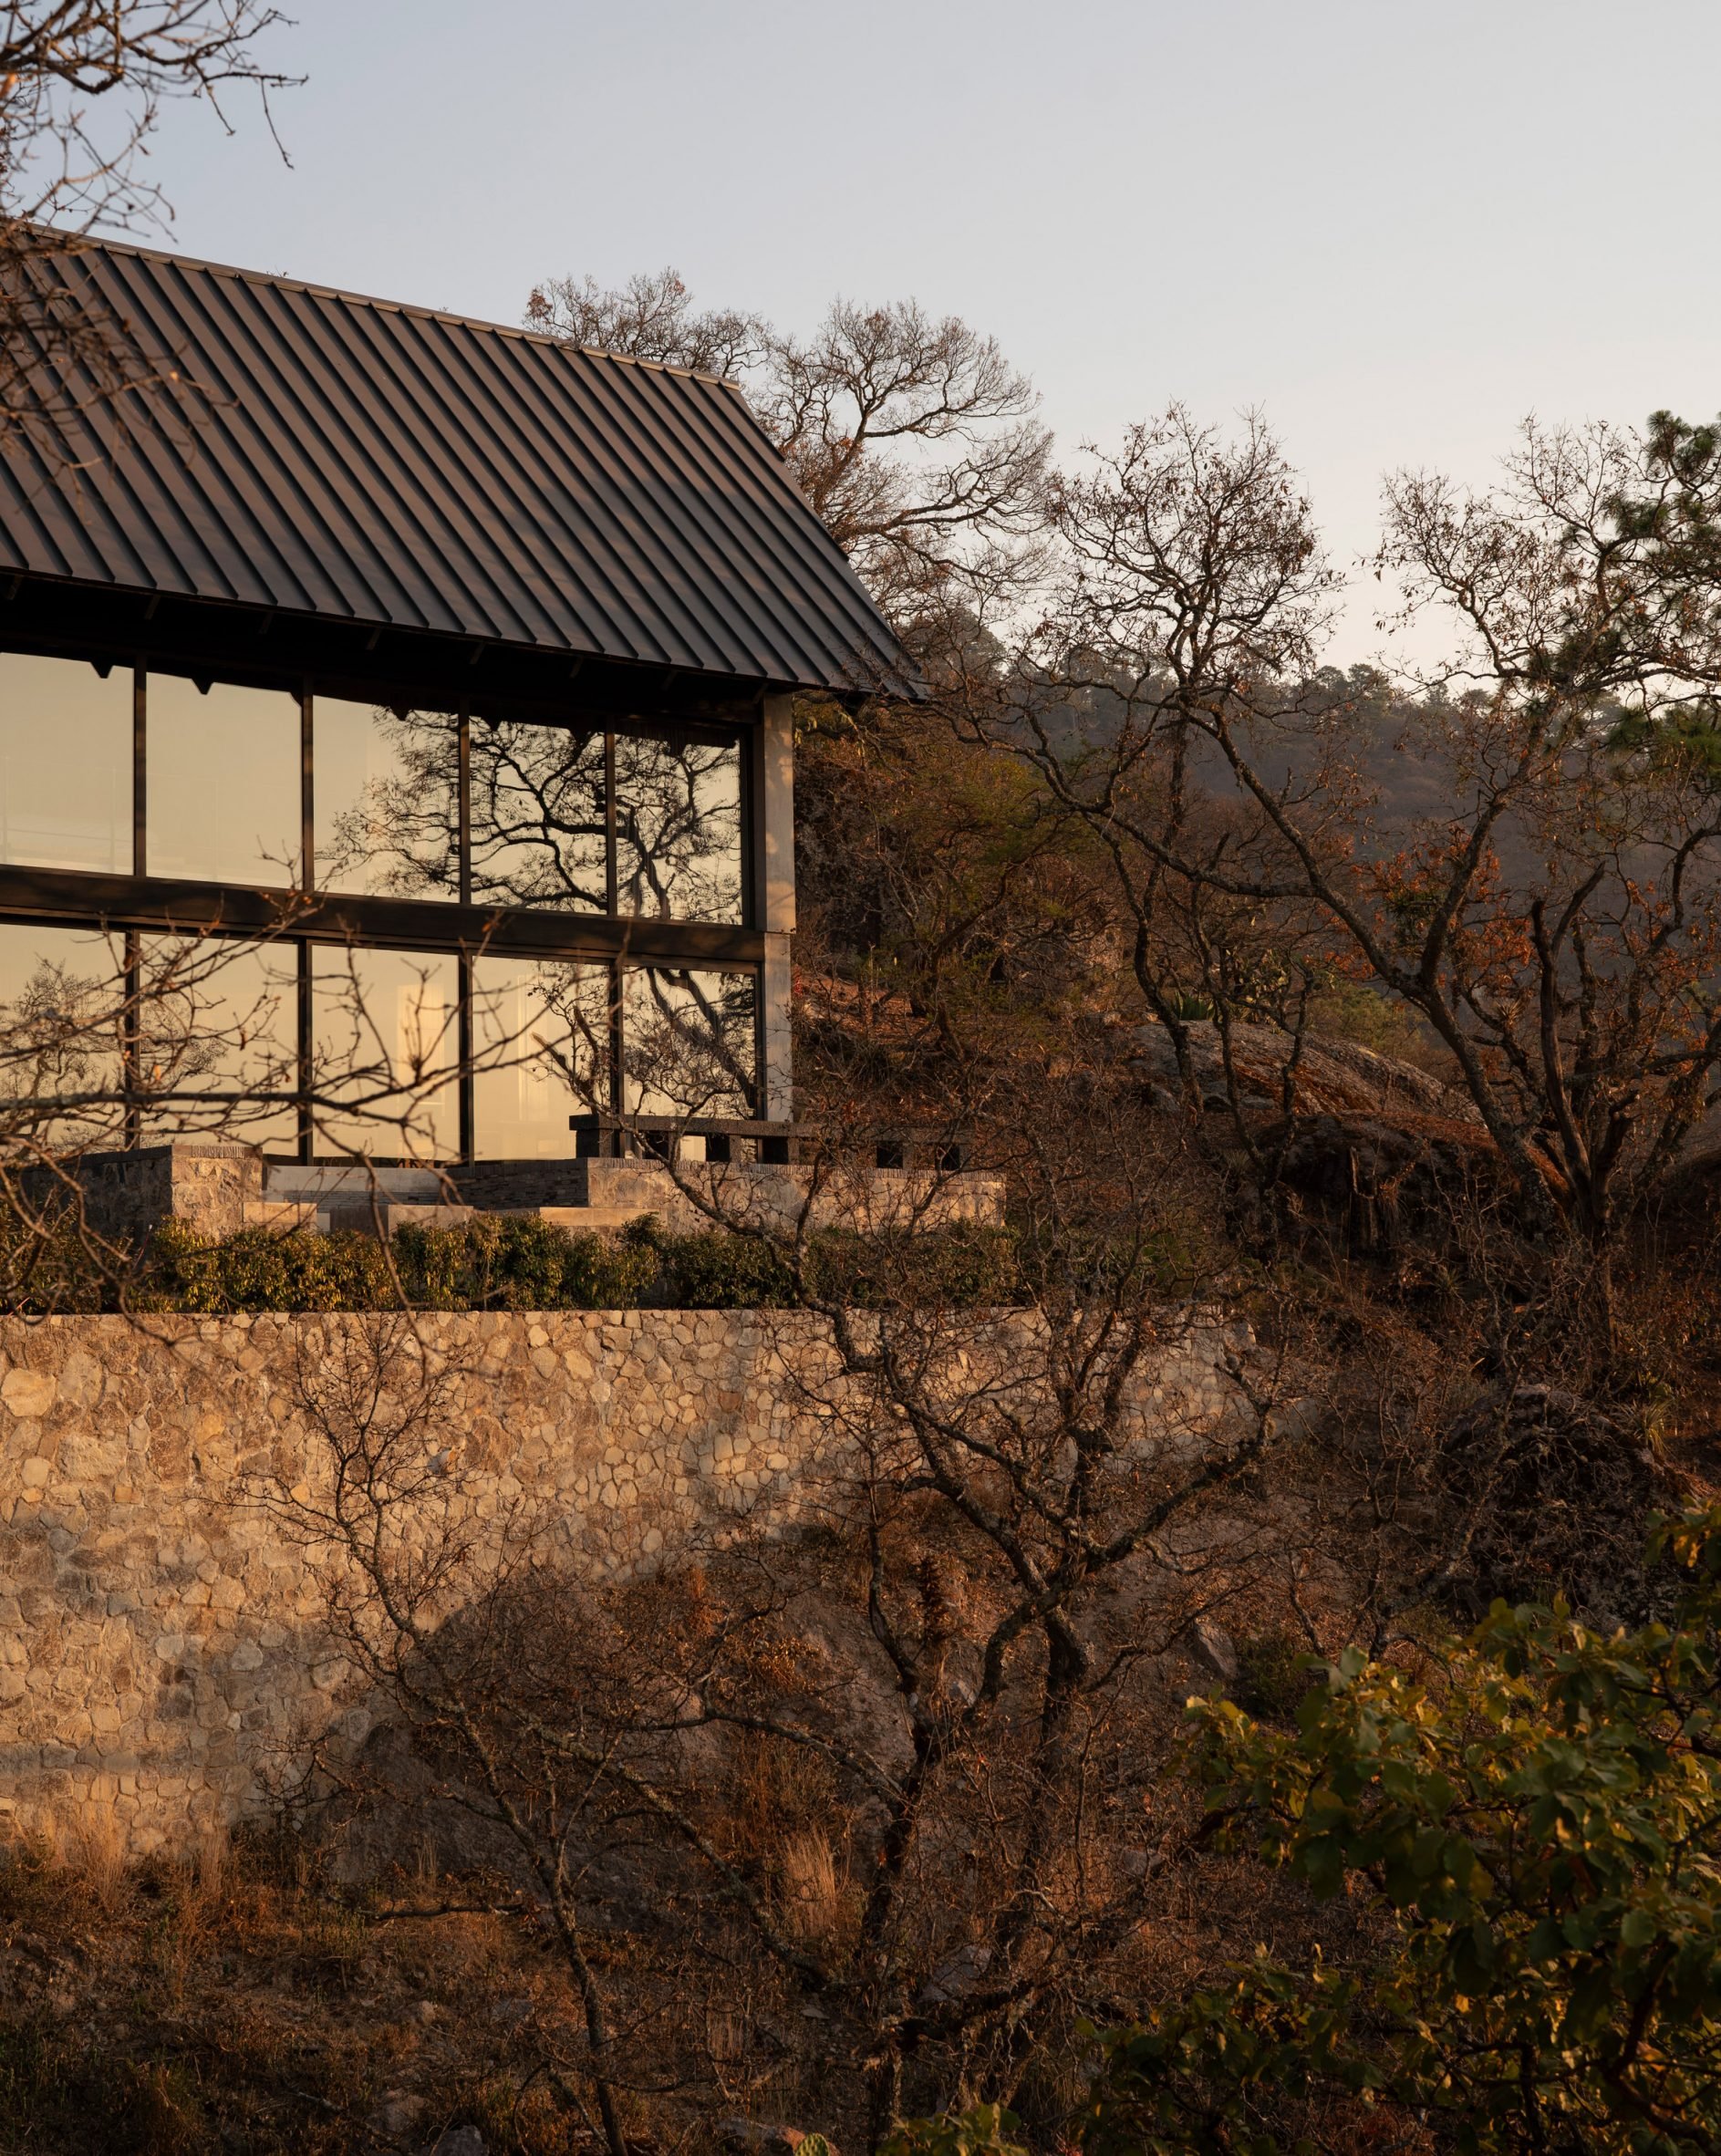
column 139, row 904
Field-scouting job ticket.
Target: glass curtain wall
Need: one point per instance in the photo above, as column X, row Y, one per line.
column 221, row 783
column 385, row 1052
column 557, row 820
column 688, row 1035
column 65, row 765
column 542, row 1049
column 64, row 1009
column 217, row 1039
column 386, row 785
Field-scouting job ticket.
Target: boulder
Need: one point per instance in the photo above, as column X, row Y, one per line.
column 1331, row 1077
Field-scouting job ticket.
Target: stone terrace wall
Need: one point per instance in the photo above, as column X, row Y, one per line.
column 160, row 1642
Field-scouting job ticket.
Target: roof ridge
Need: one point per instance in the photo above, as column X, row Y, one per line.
column 85, row 241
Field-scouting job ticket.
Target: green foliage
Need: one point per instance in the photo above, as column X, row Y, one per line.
column 489, row 1263
column 1538, row 1839
column 965, row 1266
column 980, row 2132
column 1272, row 1675
column 256, row 1271
column 1351, row 1010
column 495, row 1262
column 504, row 1262
column 711, row 1271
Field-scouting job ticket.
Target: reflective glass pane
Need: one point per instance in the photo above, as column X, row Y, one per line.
column 218, row 1039
column 678, row 829
column 65, row 765
column 62, row 1015
column 540, row 1051
column 538, row 818
column 385, row 1048
column 387, row 799
column 687, row 1042
column 222, row 774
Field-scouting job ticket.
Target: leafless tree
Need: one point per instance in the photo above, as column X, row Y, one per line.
column 911, row 436
column 1556, row 924
column 83, row 88
column 875, row 1764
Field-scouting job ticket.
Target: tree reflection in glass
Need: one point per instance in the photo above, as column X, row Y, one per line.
column 217, row 1039
column 64, row 1007
column 385, row 1053
column 539, row 823
column 387, row 799
column 689, row 1042
column 678, row 829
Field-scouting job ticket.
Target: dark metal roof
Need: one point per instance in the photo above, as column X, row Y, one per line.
column 323, row 454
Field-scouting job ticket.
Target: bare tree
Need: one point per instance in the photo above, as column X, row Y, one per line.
column 874, row 1765
column 1556, row 924
column 911, row 435
column 83, row 88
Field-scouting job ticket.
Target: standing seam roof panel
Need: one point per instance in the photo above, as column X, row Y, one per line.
column 685, row 633
column 221, row 489
column 819, row 577
column 697, row 630
column 94, row 511
column 398, row 585
column 611, row 603
column 305, row 541
column 671, row 458
column 409, row 469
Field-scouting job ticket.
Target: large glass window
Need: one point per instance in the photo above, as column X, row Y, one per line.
column 63, row 1010
column 540, row 1054
column 218, row 1036
column 688, row 1040
column 387, row 786
column 65, row 765
column 678, row 829
column 385, row 1048
column 221, row 775
column 539, row 819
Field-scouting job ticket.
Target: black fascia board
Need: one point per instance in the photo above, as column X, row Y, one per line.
column 268, row 648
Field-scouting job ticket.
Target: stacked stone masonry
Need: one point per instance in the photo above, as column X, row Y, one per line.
column 161, row 1648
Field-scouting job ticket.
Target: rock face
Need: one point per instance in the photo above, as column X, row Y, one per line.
column 1380, row 1187
column 1333, row 1077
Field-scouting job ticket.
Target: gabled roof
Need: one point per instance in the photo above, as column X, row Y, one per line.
column 307, row 451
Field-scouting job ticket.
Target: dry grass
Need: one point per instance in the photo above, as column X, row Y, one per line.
column 811, row 1889
column 242, row 1998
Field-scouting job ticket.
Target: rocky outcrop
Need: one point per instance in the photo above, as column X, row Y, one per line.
column 1331, row 1077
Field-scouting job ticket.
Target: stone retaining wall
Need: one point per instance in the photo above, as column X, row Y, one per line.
column 161, row 1641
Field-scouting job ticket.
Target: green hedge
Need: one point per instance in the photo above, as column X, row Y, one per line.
column 520, row 1263
column 967, row 1267
column 486, row 1264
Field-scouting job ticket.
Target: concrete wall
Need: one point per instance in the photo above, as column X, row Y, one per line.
column 161, row 1641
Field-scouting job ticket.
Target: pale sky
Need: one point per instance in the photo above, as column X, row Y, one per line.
column 1397, row 228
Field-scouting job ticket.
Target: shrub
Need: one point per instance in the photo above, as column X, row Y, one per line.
column 519, row 1262
column 488, row 1263
column 256, row 1271
column 1537, row 1839
column 502, row 1262
column 713, row 1270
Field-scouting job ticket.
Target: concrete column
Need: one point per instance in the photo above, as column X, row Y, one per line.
column 774, row 895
